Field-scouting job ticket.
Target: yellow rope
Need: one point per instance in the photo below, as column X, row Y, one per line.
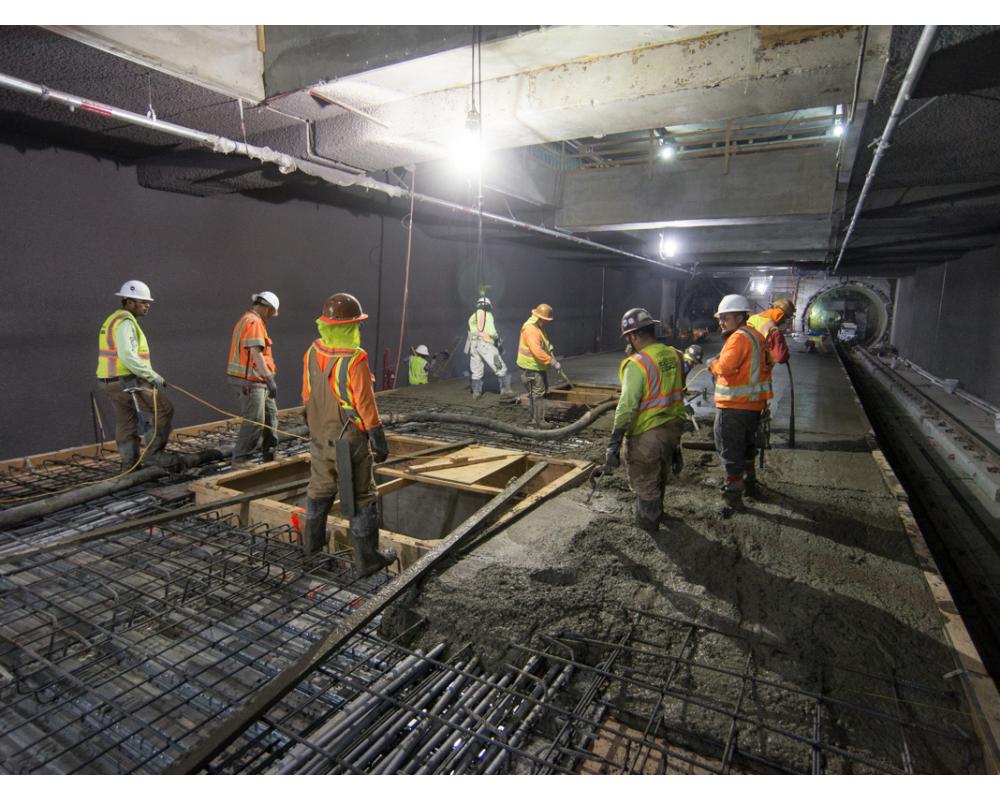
column 236, row 416
column 692, row 377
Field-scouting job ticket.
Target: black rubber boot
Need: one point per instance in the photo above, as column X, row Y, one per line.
column 539, row 415
column 129, row 452
column 648, row 514
column 364, row 536
column 753, row 490
column 732, row 498
column 314, row 535
column 477, row 390
column 504, row 382
column 267, row 455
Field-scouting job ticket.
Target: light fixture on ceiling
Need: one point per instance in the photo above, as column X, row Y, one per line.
column 838, row 129
column 668, row 247
column 467, row 153
column 667, row 151
column 759, row 286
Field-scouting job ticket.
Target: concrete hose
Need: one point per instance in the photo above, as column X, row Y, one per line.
column 503, row 427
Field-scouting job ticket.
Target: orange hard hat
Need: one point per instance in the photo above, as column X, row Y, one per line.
column 785, row 305
column 543, row 311
column 342, row 308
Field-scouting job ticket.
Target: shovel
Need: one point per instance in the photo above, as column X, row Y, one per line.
column 791, row 417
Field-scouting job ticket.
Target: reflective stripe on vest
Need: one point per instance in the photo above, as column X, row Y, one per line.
column 418, row 370
column 763, row 325
column 478, row 330
column 756, row 388
column 342, row 358
column 525, row 358
column 108, row 363
column 654, row 396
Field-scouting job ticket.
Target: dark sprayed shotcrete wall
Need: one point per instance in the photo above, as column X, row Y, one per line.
column 947, row 321
column 75, row 227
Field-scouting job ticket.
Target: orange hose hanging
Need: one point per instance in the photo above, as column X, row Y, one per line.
column 406, row 279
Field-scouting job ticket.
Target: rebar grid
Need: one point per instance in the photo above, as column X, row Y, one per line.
column 668, row 696
column 114, row 653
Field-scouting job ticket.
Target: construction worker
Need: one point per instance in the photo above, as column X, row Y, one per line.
column 534, row 357
column 340, row 406
column 742, row 388
column 693, row 356
column 251, row 371
column 418, row 364
column 768, row 324
column 485, row 347
column 649, row 417
column 126, row 375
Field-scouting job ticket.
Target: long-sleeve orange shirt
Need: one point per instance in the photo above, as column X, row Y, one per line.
column 743, row 371
column 359, row 384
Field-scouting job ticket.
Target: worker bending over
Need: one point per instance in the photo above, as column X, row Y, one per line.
column 126, row 376
column 251, row 371
column 649, row 417
column 742, row 388
column 340, row 406
column 418, row 364
column 485, row 347
column 692, row 357
column 534, row 357
column 768, row 324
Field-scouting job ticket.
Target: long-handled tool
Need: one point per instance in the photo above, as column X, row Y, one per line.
column 791, row 416
column 565, row 377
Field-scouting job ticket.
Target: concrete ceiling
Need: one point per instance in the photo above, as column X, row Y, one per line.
column 395, row 97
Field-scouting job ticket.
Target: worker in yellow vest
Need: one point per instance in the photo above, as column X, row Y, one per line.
column 768, row 324
column 126, row 377
column 251, row 370
column 485, row 348
column 650, row 416
column 534, row 357
column 340, row 405
column 742, row 388
column 418, row 364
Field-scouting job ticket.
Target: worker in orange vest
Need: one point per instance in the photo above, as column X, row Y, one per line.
column 742, row 388
column 340, row 404
column 251, row 371
column 768, row 324
column 534, row 357
column 126, row 376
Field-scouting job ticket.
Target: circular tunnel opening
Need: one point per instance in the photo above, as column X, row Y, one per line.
column 848, row 313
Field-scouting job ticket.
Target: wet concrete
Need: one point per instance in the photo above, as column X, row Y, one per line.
column 818, row 578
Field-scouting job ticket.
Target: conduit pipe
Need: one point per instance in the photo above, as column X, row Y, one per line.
column 969, row 398
column 917, row 63
column 287, row 163
column 503, row 427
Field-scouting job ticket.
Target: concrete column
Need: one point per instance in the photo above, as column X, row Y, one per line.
column 668, row 302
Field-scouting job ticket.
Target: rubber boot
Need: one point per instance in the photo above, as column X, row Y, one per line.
column 364, row 536
column 477, row 390
column 753, row 490
column 539, row 415
column 504, row 381
column 732, row 496
column 267, row 455
column 129, row 452
column 648, row 514
column 314, row 535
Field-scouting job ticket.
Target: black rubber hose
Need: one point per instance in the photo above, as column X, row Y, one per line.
column 503, row 427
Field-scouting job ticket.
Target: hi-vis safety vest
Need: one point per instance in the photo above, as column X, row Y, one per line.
column 340, row 362
column 483, row 327
column 763, row 325
column 752, row 384
column 418, row 370
column 108, row 363
column 525, row 358
column 662, row 401
column 241, row 364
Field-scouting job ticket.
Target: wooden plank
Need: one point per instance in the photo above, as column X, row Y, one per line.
column 460, row 461
column 480, row 488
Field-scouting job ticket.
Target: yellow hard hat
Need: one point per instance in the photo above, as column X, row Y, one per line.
column 543, row 311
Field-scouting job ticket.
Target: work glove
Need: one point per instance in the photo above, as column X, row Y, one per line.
column 158, row 383
column 272, row 386
column 379, row 444
column 555, row 364
column 611, row 459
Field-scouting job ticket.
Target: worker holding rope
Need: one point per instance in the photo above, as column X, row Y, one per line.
column 126, row 376
column 251, row 370
column 344, row 428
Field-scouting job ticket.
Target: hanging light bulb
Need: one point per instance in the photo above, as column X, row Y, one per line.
column 667, row 152
column 468, row 152
column 838, row 129
column 668, row 247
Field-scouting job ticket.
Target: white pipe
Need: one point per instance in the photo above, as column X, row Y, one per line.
column 969, row 398
column 920, row 56
column 288, row 164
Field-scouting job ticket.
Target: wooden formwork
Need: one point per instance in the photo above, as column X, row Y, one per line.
column 468, row 468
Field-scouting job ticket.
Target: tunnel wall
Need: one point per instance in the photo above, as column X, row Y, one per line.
column 947, row 322
column 76, row 227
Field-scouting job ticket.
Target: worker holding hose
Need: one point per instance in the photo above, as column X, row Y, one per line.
column 127, row 378
column 768, row 324
column 742, row 388
column 344, row 429
column 485, row 347
column 251, row 371
column 534, row 357
column 650, row 416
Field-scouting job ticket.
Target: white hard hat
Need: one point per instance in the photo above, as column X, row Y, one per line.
column 135, row 290
column 268, row 298
column 422, row 350
column 733, row 302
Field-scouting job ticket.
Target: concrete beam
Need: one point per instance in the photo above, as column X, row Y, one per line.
column 222, row 58
column 798, row 183
column 645, row 77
